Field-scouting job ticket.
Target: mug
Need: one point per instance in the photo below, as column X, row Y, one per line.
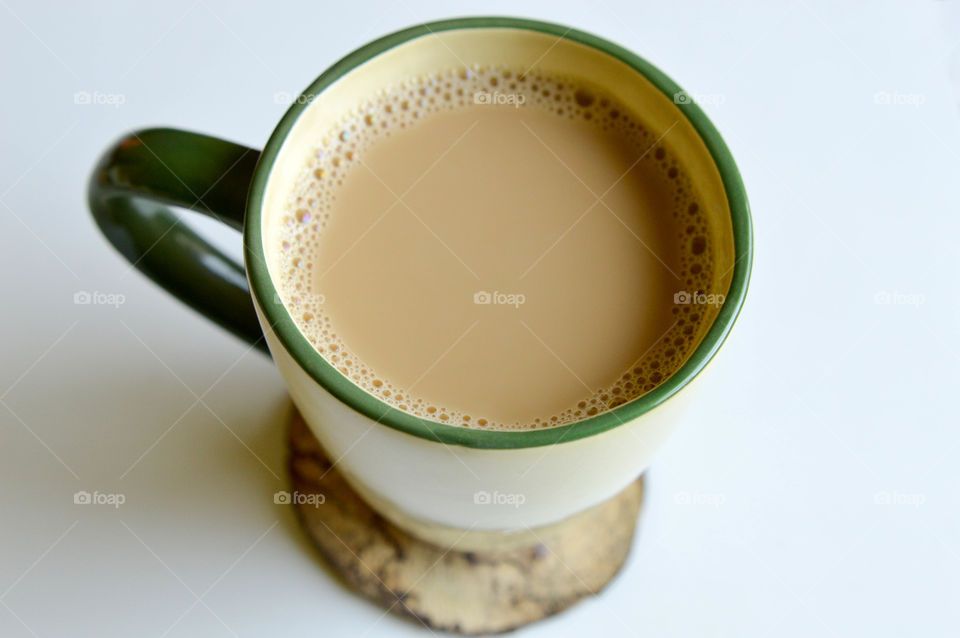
column 442, row 483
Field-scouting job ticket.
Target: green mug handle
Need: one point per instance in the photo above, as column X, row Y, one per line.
column 132, row 193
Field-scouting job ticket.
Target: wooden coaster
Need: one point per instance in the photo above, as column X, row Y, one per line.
column 451, row 590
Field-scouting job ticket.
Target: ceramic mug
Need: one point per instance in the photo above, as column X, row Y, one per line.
column 443, row 483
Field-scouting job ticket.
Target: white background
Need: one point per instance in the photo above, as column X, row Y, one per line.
column 820, row 462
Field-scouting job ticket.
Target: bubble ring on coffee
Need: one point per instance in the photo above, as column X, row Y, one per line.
column 340, row 151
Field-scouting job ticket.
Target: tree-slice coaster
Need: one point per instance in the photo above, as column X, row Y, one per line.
column 448, row 589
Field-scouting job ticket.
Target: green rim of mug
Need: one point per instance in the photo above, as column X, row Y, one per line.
column 361, row 401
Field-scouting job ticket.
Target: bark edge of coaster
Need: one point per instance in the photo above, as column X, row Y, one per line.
column 469, row 592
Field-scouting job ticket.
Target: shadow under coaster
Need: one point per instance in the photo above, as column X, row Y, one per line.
column 469, row 592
